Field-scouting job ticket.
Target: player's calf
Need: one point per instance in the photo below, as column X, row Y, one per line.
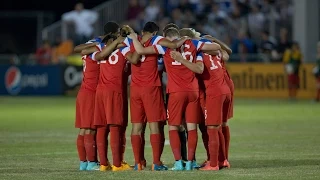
column 81, row 150
column 213, row 144
column 155, row 140
column 136, row 144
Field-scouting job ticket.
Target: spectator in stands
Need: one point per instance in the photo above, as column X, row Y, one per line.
column 267, row 47
column 216, row 14
column 83, row 20
column 134, row 10
column 185, row 5
column 237, row 22
column 61, row 50
column 44, row 53
column 292, row 59
column 243, row 40
column 152, row 11
column 256, row 22
column 284, row 42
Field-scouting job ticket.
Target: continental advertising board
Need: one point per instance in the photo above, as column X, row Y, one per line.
column 269, row 81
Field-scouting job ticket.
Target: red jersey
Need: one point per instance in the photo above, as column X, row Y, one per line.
column 112, row 70
column 91, row 71
column 180, row 78
column 213, row 75
column 145, row 73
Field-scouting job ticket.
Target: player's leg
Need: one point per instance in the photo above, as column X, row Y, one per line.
column 192, row 113
column 225, row 131
column 80, row 139
column 202, row 126
column 137, row 119
column 214, row 115
column 175, row 114
column 115, row 146
column 87, row 113
column 100, row 122
column 155, row 113
column 143, row 143
column 81, row 150
column 183, row 141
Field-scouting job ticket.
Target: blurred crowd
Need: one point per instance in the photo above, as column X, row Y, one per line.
column 256, row 30
column 248, row 26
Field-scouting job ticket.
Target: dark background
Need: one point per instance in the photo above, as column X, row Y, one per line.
column 19, row 27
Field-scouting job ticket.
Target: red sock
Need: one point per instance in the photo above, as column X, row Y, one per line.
column 192, row 144
column 136, row 147
column 226, row 134
column 222, row 147
column 162, row 139
column 102, row 145
column 175, row 144
column 123, row 142
column 81, row 148
column 155, row 140
column 115, row 145
column 318, row 95
column 90, row 144
column 205, row 138
column 213, row 146
column 143, row 143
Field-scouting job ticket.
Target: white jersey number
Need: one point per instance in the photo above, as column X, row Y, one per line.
column 185, row 54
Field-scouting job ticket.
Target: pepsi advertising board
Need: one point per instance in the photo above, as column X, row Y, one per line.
column 30, row 80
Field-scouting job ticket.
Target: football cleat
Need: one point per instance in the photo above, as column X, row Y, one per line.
column 161, row 167
column 209, row 168
column 195, row 165
column 121, row 168
column 224, row 164
column 83, row 165
column 126, row 165
column 204, row 163
column 178, row 166
column 143, row 163
column 105, row 168
column 137, row 167
column 93, row 166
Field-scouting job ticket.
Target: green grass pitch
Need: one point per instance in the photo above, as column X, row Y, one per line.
column 270, row 139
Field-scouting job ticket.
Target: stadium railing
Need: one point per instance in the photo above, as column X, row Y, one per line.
column 111, row 10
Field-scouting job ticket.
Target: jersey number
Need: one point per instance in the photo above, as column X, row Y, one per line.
column 185, row 54
column 213, row 66
column 113, row 58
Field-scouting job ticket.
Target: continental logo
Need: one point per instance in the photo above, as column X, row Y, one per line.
column 254, row 79
column 269, row 80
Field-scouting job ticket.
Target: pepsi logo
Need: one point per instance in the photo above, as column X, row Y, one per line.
column 13, row 80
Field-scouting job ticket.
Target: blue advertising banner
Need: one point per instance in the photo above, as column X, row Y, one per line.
column 31, row 80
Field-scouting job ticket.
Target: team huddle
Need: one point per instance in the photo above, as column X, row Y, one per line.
column 199, row 93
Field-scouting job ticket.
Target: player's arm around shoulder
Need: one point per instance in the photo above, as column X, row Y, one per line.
column 81, row 47
column 106, row 51
column 173, row 44
column 138, row 46
column 197, row 67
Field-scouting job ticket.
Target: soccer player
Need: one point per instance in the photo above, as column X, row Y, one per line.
column 109, row 116
column 218, row 97
column 182, row 130
column 292, row 59
column 146, row 101
column 184, row 95
column 225, row 126
column 85, row 103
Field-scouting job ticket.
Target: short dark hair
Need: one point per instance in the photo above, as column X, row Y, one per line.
column 170, row 25
column 150, row 27
column 171, row 32
column 111, row 28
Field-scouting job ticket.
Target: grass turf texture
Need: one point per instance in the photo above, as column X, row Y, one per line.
column 270, row 139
